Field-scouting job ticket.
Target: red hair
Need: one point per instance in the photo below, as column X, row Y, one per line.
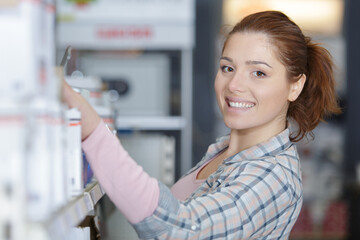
column 300, row 56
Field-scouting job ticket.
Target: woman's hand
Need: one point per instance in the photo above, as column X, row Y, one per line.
column 89, row 118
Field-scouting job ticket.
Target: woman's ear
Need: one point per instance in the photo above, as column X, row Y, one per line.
column 296, row 88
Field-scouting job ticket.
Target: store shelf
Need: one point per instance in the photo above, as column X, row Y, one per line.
column 74, row 212
column 150, row 123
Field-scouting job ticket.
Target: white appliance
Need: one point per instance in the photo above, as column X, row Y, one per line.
column 142, row 81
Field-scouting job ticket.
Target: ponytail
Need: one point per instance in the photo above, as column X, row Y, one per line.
column 317, row 100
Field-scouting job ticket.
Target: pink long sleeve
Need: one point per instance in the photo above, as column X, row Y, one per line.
column 132, row 190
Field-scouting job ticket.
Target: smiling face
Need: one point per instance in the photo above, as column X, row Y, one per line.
column 251, row 86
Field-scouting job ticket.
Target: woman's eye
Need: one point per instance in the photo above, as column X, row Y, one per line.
column 227, row 69
column 259, row 74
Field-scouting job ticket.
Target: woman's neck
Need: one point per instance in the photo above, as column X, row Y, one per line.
column 246, row 138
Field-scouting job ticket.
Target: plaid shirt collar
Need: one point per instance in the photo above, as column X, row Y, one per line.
column 270, row 147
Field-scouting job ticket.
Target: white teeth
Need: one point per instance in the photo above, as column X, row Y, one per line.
column 241, row 104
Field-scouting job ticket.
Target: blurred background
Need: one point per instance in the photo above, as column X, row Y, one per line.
column 148, row 68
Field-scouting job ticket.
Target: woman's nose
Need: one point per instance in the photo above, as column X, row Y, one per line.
column 237, row 83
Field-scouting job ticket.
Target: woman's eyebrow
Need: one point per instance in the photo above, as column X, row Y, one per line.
column 250, row 62
column 226, row 58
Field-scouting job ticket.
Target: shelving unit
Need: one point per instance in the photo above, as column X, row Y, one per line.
column 160, row 27
column 69, row 216
column 33, row 184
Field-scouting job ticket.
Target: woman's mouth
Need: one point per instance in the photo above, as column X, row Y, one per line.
column 240, row 104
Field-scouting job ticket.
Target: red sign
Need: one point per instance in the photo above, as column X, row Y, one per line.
column 127, row 32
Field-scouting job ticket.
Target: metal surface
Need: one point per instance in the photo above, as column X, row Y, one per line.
column 186, row 109
column 66, row 57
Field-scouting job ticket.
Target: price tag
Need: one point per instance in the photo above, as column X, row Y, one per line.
column 96, row 194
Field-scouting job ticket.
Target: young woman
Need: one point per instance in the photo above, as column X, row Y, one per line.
column 248, row 185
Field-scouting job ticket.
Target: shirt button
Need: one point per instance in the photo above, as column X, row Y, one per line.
column 193, row 227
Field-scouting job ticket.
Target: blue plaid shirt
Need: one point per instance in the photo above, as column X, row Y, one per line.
column 255, row 194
